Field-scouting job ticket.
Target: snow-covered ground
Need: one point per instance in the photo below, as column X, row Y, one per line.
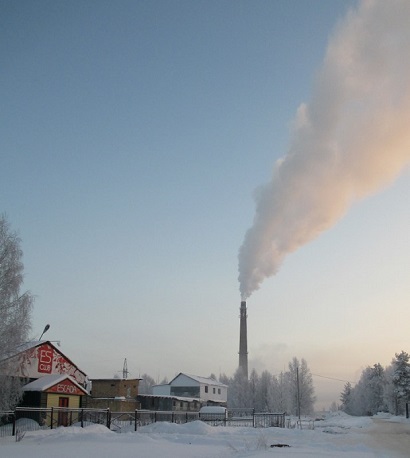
column 337, row 436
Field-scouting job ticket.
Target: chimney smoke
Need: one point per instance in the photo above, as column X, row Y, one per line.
column 349, row 141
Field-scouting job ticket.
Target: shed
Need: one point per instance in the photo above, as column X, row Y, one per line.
column 54, row 391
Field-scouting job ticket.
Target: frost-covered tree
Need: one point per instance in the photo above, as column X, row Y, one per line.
column 374, row 382
column 380, row 389
column 389, row 390
column 367, row 397
column 268, row 393
column 253, row 386
column 346, row 398
column 281, row 393
column 146, row 384
column 15, row 311
column 238, row 392
column 265, row 393
column 401, row 380
column 301, row 390
column 334, row 407
column 223, row 378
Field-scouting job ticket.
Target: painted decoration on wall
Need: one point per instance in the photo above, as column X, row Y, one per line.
column 45, row 359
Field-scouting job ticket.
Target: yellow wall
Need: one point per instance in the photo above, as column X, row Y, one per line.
column 69, row 417
column 73, row 401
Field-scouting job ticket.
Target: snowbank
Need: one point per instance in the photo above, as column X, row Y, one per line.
column 349, row 437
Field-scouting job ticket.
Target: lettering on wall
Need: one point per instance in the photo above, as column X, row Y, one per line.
column 65, row 387
column 45, row 359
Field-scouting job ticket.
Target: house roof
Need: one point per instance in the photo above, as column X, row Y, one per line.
column 168, row 396
column 113, row 379
column 201, row 380
column 48, row 381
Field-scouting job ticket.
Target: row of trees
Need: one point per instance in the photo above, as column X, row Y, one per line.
column 291, row 391
column 15, row 311
column 380, row 389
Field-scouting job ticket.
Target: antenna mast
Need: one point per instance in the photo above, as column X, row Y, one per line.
column 125, row 369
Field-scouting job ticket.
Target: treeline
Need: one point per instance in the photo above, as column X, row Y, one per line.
column 380, row 389
column 291, row 391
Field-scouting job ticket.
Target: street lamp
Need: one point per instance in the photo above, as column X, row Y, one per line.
column 47, row 327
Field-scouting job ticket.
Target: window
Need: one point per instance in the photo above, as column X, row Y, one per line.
column 213, row 390
column 206, row 389
column 219, row 391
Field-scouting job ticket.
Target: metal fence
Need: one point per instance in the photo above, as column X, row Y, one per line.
column 32, row 419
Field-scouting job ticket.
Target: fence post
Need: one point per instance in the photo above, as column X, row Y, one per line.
column 108, row 418
column 52, row 417
column 82, row 418
column 14, row 423
column 253, row 417
column 172, row 417
column 135, row 419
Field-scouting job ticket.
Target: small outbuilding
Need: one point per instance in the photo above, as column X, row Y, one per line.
column 54, row 391
column 117, row 394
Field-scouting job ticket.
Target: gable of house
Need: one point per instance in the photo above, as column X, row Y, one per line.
column 37, row 359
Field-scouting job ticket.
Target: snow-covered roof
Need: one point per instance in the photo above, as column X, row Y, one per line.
column 201, row 380
column 46, row 382
column 113, row 379
column 168, row 396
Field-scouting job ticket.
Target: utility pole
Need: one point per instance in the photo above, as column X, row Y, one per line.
column 298, row 391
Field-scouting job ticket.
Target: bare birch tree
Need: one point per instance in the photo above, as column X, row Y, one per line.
column 15, row 311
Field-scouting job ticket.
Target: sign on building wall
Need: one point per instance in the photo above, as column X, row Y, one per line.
column 65, row 387
column 44, row 359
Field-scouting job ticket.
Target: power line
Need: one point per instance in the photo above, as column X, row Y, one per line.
column 332, row 378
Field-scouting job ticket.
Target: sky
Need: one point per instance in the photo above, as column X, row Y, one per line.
column 135, row 137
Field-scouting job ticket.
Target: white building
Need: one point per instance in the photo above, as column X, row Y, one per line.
column 207, row 390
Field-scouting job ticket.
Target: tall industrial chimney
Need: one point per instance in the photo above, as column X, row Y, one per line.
column 243, row 341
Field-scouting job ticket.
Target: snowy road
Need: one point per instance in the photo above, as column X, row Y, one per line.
column 389, row 435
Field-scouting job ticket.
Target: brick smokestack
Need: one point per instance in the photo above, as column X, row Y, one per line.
column 243, row 341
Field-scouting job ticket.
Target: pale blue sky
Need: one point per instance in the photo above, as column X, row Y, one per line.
column 132, row 136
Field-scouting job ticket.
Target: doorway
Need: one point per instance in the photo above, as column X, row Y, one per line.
column 63, row 414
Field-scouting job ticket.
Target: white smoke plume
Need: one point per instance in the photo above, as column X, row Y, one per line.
column 350, row 140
